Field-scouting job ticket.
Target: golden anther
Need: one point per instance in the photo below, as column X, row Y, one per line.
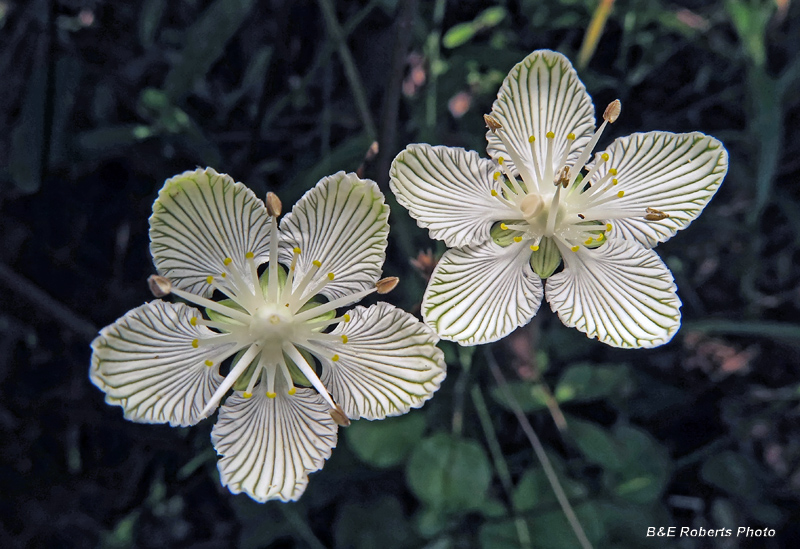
column 209, row 363
column 247, row 395
column 195, row 343
column 501, row 160
column 550, row 135
column 492, row 123
column 531, row 139
column 209, row 279
column 330, row 276
column 386, row 285
column 193, row 321
column 534, row 248
column 517, row 239
column 339, row 417
column 503, row 226
column 571, row 136
column 588, row 241
column 335, row 358
column 612, row 171
column 159, row 285
column 655, row 215
column 316, row 263
column 292, row 391
column 615, row 181
column 605, row 157
column 227, row 261
column 344, row 338
column 274, row 205
column 494, row 192
column 575, row 248
column 612, row 111
column 296, row 250
column 249, row 255
column 496, row 176
column 346, row 317
column 609, row 226
column 621, row 194
column 270, row 394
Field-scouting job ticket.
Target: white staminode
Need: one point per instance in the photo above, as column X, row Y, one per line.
column 513, row 220
column 298, row 368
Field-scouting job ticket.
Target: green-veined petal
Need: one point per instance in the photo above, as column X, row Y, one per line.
column 674, row 173
column 389, row 364
column 146, row 363
column 199, row 219
column 541, row 94
column 482, row 293
column 448, row 191
column 268, row 446
column 620, row 293
column 342, row 223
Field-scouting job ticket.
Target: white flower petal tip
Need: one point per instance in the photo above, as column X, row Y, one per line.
column 448, row 191
column 481, row 294
column 386, row 364
column 541, row 94
column 621, row 294
column 147, row 363
column 676, row 174
column 201, row 218
column 268, row 446
column 341, row 223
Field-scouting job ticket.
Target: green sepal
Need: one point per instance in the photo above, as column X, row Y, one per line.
column 297, row 376
column 546, row 259
column 219, row 317
column 504, row 237
column 264, row 279
column 243, row 380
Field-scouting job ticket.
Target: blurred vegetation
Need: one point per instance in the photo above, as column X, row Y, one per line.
column 103, row 100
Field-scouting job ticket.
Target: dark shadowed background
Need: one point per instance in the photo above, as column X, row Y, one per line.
column 101, row 101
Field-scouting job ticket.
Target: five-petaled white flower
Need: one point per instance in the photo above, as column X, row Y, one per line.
column 510, row 221
column 293, row 379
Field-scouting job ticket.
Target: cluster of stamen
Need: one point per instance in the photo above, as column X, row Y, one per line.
column 271, row 319
column 576, row 212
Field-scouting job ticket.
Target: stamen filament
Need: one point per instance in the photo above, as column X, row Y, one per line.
column 549, row 174
column 296, row 293
column 331, row 305
column 272, row 290
column 316, row 289
column 287, row 289
column 309, row 372
column 230, row 379
column 515, row 158
column 198, row 321
column 256, row 375
column 581, row 162
column 213, row 305
column 551, row 215
column 532, row 141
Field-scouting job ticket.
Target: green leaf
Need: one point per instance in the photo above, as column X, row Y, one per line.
column 530, row 397
column 644, row 469
column 386, row 443
column 533, row 490
column 458, row 35
column 491, row 17
column 596, row 444
column 149, row 19
column 585, row 381
column 205, row 41
column 547, row 530
column 732, row 473
column 449, row 473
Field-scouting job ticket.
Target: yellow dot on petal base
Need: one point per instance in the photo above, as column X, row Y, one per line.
column 494, row 192
column 227, row 261
column 534, row 248
column 193, row 321
column 209, row 363
column 608, row 226
column 209, row 279
column 517, row 239
column 344, row 338
column 496, row 176
column 588, row 241
column 575, row 248
column 346, row 317
column 292, row 391
column 335, row 358
column 504, row 226
column 571, row 136
column 195, row 343
column 270, row 394
column 621, row 194
column 249, row 255
column 247, row 395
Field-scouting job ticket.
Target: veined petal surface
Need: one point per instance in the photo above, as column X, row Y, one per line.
column 389, row 364
column 268, row 446
column 448, row 191
column 199, row 219
column 342, row 223
column 146, row 363
column 480, row 294
column 674, row 173
column 620, row 293
column 542, row 93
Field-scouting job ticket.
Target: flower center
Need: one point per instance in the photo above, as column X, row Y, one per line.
column 271, row 325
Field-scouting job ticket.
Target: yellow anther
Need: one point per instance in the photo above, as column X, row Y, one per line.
column 575, row 248
column 621, row 194
column 209, row 363
column 612, row 171
column 335, row 358
column 494, row 192
column 517, row 239
column 316, row 264
column 496, row 175
column 588, row 241
column 608, row 226
column 296, row 250
column 292, row 391
column 247, row 395
column 501, row 160
column 531, row 139
column 344, row 338
column 330, row 276
column 534, row 247
column 195, row 343
column 270, row 394
column 504, row 226
column 227, row 261
column 614, row 181
column 571, row 136
column 605, row 157
column 209, row 279
column 550, row 135
column 249, row 255
column 600, row 237
column 223, row 275
column 346, row 317
column 193, row 321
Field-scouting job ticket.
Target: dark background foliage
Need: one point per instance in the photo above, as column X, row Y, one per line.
column 102, row 100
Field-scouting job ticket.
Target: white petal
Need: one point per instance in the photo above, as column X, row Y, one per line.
column 448, row 191
column 675, row 173
column 389, row 364
column 342, row 223
column 620, row 293
column 270, row 445
column 482, row 293
column 542, row 93
column 145, row 363
column 198, row 220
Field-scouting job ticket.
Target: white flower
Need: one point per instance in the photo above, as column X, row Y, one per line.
column 513, row 219
column 161, row 361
